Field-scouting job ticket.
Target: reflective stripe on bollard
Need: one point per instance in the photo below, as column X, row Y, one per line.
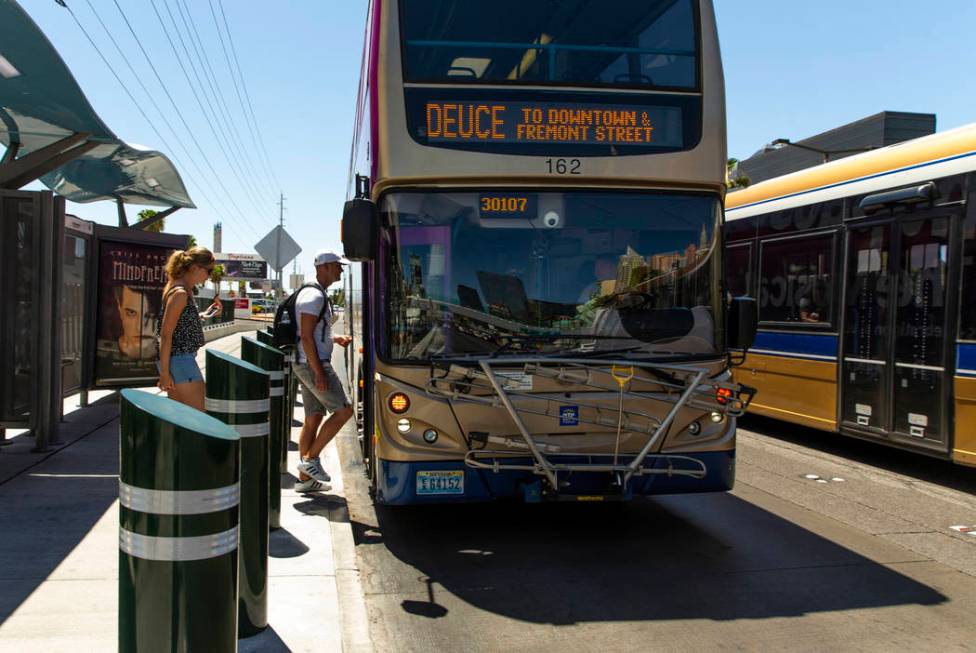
column 179, row 492
column 272, row 361
column 238, row 395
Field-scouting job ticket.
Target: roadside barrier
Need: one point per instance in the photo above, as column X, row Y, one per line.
column 238, row 394
column 179, row 489
column 271, row 361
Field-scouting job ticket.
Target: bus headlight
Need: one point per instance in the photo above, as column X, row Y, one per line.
column 404, row 425
column 430, row 436
column 717, row 417
column 694, row 428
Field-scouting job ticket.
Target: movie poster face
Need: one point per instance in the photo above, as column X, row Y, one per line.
column 131, row 279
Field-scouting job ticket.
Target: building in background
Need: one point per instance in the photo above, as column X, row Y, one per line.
column 218, row 239
column 780, row 157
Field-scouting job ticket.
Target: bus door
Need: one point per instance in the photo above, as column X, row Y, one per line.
column 897, row 365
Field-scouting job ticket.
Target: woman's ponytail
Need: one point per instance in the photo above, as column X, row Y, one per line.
column 182, row 260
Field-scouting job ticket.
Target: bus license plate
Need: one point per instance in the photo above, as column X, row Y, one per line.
column 440, row 482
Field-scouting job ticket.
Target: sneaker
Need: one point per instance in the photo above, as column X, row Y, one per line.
column 311, row 485
column 313, row 467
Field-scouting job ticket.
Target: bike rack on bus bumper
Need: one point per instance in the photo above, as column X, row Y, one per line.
column 683, row 386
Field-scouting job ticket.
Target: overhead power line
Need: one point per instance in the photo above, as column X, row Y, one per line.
column 131, row 97
column 232, row 162
column 256, row 131
column 180, row 115
column 148, row 94
column 193, row 35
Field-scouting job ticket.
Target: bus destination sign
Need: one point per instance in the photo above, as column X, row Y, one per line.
column 551, row 122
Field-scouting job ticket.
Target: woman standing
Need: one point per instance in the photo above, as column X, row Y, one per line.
column 180, row 330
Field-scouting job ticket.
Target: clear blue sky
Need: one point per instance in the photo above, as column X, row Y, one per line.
column 793, row 69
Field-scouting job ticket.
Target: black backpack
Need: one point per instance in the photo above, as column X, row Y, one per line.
column 285, row 334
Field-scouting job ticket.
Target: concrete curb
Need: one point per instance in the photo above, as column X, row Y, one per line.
column 354, row 619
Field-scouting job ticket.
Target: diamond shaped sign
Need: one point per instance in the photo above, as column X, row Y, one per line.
column 278, row 248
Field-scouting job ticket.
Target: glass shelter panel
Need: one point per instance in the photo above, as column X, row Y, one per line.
column 18, row 221
column 74, row 289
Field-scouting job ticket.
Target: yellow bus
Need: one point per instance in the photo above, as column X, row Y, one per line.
column 865, row 275
column 536, row 196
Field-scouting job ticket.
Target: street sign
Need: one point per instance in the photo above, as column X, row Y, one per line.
column 278, row 252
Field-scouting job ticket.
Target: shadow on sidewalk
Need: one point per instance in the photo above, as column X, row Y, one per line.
column 48, row 509
column 264, row 642
column 282, row 544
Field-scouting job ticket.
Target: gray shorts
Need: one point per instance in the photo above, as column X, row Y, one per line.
column 315, row 401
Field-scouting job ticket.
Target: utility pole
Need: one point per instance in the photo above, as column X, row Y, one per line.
column 281, row 225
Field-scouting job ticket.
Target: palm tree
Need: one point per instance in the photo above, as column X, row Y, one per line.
column 735, row 178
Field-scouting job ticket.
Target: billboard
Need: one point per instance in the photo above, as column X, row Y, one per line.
column 130, row 274
column 243, row 267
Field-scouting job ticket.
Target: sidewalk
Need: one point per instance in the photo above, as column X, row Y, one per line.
column 59, row 547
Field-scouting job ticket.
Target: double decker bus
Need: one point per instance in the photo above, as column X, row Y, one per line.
column 536, row 196
column 865, row 274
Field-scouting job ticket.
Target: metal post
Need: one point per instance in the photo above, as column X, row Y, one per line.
column 178, row 527
column 238, row 395
column 83, row 399
column 49, row 399
column 273, row 362
column 120, row 205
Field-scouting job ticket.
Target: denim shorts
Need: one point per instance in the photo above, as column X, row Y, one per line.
column 315, row 401
column 184, row 369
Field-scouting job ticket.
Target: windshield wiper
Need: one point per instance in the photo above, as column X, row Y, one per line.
column 596, row 353
column 535, row 338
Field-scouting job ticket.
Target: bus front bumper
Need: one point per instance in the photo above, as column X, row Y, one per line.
column 407, row 483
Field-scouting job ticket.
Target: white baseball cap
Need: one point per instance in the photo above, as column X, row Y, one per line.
column 324, row 256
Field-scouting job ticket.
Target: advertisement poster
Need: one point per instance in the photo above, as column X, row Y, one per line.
column 131, row 277
column 243, row 267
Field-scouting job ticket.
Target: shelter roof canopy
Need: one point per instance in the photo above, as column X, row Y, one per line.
column 41, row 104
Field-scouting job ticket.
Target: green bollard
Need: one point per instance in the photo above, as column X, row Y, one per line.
column 238, row 394
column 291, row 387
column 179, row 490
column 272, row 361
column 291, row 393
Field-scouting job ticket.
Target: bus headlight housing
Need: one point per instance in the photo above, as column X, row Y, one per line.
column 399, row 403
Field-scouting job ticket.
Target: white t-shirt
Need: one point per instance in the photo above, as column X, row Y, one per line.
column 310, row 302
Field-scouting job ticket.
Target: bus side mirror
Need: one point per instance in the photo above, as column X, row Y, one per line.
column 360, row 230
column 742, row 323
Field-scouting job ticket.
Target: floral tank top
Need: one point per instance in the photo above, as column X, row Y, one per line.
column 188, row 334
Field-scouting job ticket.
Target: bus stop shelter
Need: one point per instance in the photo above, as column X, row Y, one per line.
column 52, row 134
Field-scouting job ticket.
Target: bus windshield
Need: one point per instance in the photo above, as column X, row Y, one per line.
column 557, row 273
column 647, row 44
